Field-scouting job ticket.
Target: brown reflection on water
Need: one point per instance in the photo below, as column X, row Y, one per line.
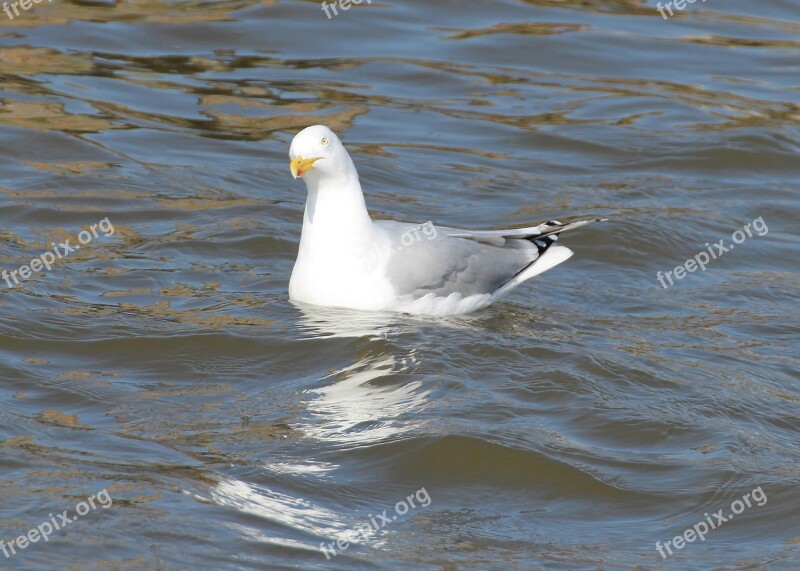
column 143, row 11
column 530, row 28
column 49, row 117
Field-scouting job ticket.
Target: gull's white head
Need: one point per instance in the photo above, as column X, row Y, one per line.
column 317, row 153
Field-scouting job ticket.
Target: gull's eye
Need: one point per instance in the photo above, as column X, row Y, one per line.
column 324, row 141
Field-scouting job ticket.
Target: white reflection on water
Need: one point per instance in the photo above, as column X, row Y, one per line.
column 330, row 322
column 359, row 409
column 333, row 322
column 364, row 402
column 308, row 467
column 295, row 513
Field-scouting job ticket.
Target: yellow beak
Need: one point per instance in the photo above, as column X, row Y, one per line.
column 299, row 166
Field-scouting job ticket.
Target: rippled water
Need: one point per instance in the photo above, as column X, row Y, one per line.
column 590, row 415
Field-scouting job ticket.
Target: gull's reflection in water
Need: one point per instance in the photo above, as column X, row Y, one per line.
column 377, row 399
column 369, row 402
column 287, row 514
column 329, row 322
column 373, row 400
column 287, row 521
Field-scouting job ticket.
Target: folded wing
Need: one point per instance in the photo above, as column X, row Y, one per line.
column 443, row 260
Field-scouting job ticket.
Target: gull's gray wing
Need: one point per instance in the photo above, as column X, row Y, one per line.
column 443, row 264
column 440, row 260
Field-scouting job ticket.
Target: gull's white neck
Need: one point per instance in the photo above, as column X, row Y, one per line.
column 335, row 214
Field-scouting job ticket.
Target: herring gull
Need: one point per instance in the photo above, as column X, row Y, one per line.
column 346, row 259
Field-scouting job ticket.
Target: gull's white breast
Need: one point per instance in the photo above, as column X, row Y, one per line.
column 343, row 272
